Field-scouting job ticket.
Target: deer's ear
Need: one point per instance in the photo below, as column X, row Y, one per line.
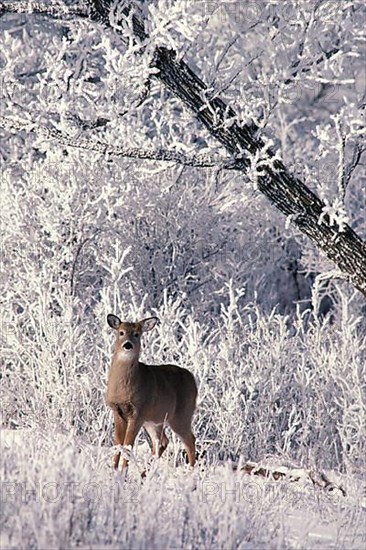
column 148, row 324
column 113, row 321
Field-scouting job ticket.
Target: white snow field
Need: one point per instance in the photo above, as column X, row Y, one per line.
column 59, row 493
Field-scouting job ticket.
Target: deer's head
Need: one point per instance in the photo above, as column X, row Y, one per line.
column 128, row 335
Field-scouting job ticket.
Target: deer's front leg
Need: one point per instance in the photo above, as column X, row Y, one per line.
column 133, row 428
column 120, row 426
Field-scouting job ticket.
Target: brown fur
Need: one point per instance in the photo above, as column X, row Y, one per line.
column 148, row 395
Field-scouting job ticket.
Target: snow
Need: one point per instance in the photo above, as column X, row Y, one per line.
column 59, row 495
column 273, row 335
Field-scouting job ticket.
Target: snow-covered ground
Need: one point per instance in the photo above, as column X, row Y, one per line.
column 60, row 493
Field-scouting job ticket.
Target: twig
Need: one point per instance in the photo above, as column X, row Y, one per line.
column 358, row 150
column 341, row 162
column 319, row 479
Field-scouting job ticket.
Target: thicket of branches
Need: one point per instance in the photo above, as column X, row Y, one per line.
column 86, row 232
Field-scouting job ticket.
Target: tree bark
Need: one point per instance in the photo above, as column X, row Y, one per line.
column 290, row 195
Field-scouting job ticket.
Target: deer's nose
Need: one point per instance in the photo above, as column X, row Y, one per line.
column 127, row 345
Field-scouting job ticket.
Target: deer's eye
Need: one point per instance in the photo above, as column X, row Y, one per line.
column 136, row 334
column 121, row 333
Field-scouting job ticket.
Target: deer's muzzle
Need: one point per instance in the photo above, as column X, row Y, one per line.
column 127, row 345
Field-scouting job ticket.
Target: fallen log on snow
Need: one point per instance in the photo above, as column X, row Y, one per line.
column 319, row 479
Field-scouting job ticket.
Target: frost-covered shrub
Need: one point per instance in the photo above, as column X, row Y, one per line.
column 278, row 353
column 60, row 493
column 267, row 383
column 85, row 233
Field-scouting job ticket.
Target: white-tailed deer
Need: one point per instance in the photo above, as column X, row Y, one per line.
column 148, row 395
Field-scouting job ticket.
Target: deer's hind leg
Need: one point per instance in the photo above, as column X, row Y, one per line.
column 184, row 431
column 158, row 438
column 189, row 442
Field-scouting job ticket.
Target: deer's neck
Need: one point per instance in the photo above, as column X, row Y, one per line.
column 124, row 379
column 124, row 366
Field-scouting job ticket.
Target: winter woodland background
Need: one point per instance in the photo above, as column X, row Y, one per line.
column 278, row 346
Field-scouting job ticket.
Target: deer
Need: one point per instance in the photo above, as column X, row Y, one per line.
column 148, row 396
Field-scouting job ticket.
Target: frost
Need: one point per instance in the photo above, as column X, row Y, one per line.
column 171, row 24
column 261, row 159
column 272, row 332
column 336, row 213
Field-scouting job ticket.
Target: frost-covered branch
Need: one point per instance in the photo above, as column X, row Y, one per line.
column 285, row 191
column 53, row 10
column 345, row 170
column 194, row 160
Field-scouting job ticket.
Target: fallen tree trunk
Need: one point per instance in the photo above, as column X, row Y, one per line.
column 292, row 475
